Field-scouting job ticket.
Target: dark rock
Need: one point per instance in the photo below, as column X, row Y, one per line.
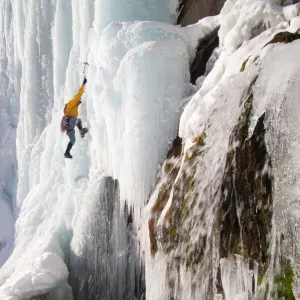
column 40, row 297
column 176, row 148
column 284, row 37
column 243, row 218
column 204, row 52
column 246, row 202
column 191, row 11
column 294, row 1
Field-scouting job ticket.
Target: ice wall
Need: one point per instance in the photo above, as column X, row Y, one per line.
column 138, row 78
column 138, row 82
column 138, row 91
column 9, row 108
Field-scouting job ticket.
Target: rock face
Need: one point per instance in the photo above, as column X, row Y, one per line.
column 246, row 206
column 285, row 37
column 204, row 52
column 242, row 217
column 246, row 202
column 191, row 11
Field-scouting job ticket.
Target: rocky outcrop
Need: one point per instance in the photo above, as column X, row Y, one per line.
column 191, row 11
column 284, row 37
column 204, row 52
column 246, row 203
column 242, row 217
column 289, row 2
column 171, row 168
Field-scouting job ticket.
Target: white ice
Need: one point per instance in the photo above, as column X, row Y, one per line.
column 6, row 227
column 237, row 278
column 9, row 108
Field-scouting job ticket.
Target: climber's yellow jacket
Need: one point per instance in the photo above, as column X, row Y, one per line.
column 71, row 108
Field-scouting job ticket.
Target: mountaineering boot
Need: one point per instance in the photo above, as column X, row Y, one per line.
column 67, row 153
column 83, row 131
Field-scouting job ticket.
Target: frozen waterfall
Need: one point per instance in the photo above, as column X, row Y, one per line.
column 132, row 119
column 131, row 216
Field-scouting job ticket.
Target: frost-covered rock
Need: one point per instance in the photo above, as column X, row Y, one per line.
column 221, row 204
column 137, row 83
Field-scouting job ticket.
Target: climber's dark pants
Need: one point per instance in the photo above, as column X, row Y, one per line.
column 72, row 122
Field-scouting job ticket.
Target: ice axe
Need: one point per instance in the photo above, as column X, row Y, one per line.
column 85, row 64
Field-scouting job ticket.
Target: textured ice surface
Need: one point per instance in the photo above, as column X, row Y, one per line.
column 6, row 227
column 138, row 78
column 9, row 108
column 140, row 87
column 238, row 278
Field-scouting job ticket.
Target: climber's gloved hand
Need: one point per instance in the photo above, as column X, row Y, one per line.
column 84, row 80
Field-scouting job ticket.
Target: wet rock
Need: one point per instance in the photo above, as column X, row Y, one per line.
column 246, row 202
column 175, row 229
column 171, row 167
column 242, row 217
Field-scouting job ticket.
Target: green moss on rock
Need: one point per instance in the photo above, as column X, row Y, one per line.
column 244, row 65
column 256, row 59
column 243, row 219
column 196, row 149
column 172, row 234
column 191, row 182
column 284, row 281
column 199, row 140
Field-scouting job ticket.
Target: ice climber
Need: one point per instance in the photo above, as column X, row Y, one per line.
column 70, row 120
